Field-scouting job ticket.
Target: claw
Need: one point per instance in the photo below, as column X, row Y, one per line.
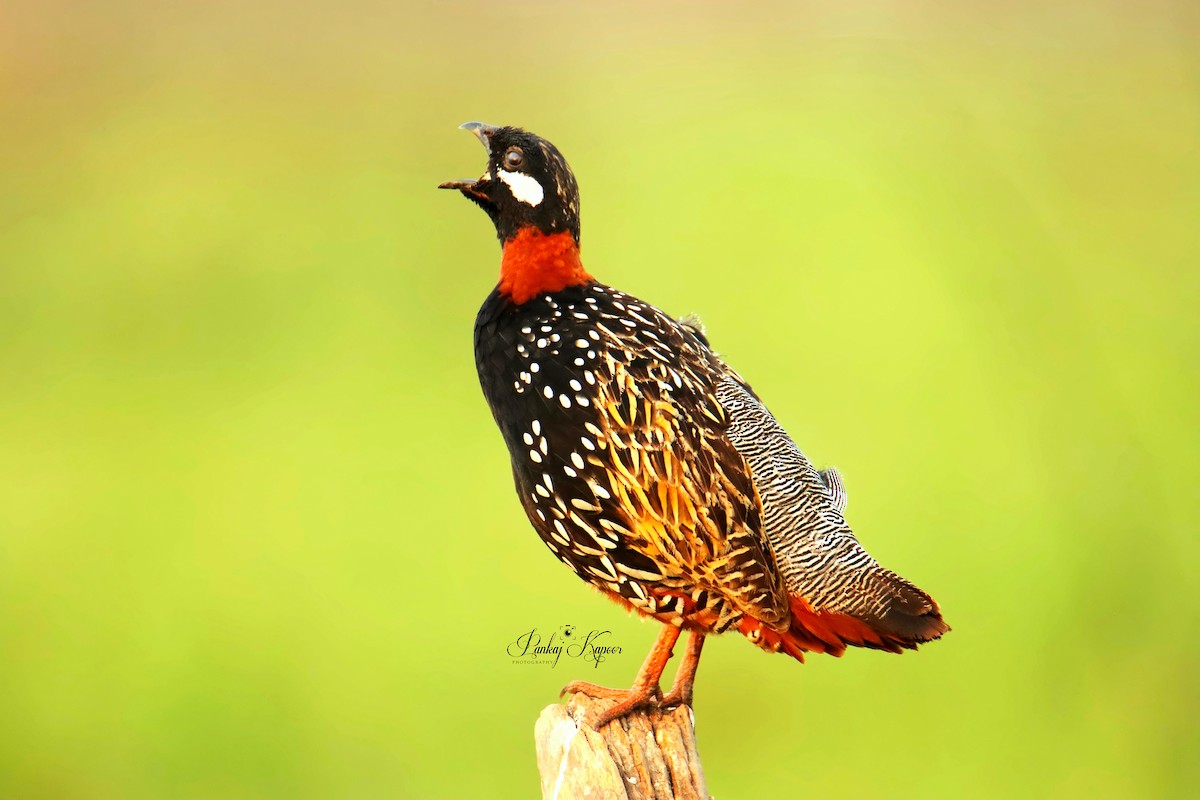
column 625, row 701
column 675, row 697
column 645, row 692
column 593, row 690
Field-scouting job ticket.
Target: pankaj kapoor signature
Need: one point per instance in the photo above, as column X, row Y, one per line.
column 536, row 647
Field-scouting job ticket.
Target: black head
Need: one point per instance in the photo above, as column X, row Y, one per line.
column 527, row 183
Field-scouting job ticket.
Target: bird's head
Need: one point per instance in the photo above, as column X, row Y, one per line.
column 527, row 184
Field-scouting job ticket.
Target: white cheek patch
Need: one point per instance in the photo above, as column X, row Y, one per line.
column 523, row 187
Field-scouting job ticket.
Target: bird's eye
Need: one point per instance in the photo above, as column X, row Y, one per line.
column 514, row 158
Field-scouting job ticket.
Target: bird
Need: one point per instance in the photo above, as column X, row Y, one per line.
column 651, row 468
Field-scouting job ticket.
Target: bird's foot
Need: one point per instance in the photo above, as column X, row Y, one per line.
column 627, row 700
column 678, row 696
column 685, row 679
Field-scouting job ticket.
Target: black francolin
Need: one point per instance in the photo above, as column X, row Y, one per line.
column 651, row 468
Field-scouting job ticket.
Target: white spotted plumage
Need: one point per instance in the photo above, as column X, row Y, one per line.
column 644, row 380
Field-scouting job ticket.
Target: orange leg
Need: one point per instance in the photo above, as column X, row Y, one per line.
column 645, row 686
column 681, row 689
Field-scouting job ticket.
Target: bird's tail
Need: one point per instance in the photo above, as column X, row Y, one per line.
column 901, row 618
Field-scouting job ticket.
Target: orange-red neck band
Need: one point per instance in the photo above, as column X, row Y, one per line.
column 536, row 263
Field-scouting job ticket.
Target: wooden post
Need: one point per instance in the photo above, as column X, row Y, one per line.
column 646, row 755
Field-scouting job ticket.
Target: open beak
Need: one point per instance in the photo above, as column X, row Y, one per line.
column 463, row 185
column 483, row 132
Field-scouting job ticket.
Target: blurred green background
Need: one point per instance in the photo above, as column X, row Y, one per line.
column 257, row 532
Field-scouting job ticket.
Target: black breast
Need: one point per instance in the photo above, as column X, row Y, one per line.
column 621, row 457
column 541, row 365
column 534, row 363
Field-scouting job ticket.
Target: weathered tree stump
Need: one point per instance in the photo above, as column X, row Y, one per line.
column 647, row 755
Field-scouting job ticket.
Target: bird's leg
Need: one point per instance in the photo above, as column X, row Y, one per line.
column 645, row 686
column 681, row 689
